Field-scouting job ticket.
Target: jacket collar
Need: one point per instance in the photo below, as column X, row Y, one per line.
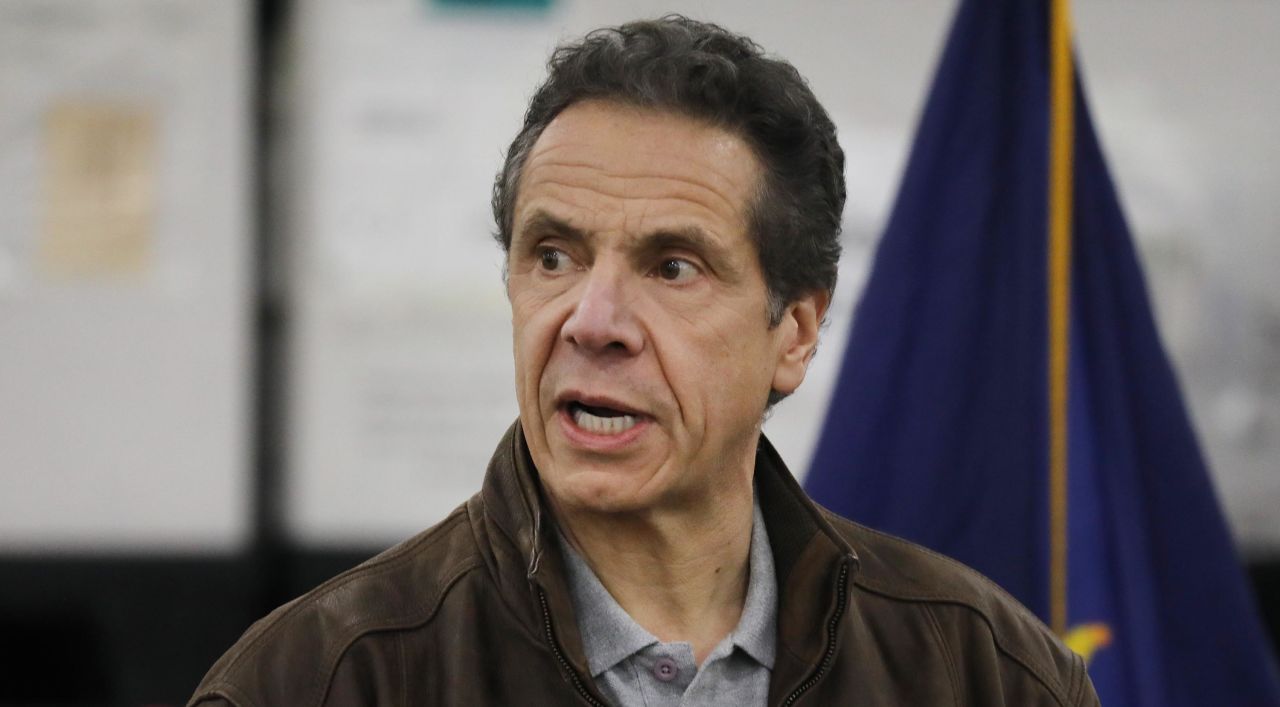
column 808, row 555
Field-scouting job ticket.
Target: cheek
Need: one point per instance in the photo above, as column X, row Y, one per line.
column 736, row 359
column 701, row 359
column 535, row 330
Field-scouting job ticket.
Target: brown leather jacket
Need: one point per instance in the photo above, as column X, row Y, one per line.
column 475, row 611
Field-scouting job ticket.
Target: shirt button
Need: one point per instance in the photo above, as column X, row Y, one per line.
column 665, row 669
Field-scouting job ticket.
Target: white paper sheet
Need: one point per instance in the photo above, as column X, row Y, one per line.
column 124, row 275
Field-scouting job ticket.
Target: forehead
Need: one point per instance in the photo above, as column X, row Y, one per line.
column 624, row 166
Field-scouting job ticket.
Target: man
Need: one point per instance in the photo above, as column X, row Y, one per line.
column 670, row 213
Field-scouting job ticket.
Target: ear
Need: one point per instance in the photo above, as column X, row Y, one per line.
column 799, row 339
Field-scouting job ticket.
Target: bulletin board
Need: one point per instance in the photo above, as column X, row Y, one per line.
column 124, row 275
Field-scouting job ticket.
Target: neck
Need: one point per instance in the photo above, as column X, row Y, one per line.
column 682, row 576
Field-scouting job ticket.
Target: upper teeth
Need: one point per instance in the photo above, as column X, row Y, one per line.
column 603, row 425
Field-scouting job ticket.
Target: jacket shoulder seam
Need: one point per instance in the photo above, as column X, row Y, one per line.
column 1054, row 687
column 397, row 623
column 952, row 562
column 395, row 559
column 946, row 652
column 226, row 691
column 1081, row 678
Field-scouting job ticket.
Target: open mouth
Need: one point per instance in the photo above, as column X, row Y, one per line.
column 600, row 420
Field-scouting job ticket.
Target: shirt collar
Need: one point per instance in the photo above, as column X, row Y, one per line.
column 756, row 632
column 610, row 635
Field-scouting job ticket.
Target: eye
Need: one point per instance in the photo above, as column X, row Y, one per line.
column 676, row 270
column 553, row 260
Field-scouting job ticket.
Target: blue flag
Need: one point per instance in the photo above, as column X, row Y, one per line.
column 941, row 428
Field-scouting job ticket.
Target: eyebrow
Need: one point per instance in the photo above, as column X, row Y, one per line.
column 689, row 237
column 543, row 223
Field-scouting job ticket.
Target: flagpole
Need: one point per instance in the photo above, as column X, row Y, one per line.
column 1060, row 182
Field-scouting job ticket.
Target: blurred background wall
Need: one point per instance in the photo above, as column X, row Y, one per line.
column 252, row 328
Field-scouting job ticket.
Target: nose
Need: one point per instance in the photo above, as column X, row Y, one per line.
column 603, row 318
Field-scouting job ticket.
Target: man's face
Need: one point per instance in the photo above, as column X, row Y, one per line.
column 643, row 351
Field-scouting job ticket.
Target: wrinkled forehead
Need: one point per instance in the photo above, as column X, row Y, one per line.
column 625, row 151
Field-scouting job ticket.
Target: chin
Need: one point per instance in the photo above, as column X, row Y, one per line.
column 600, row 492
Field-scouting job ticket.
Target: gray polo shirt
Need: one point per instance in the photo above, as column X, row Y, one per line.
column 631, row 667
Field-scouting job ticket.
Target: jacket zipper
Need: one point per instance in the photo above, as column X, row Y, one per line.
column 842, row 589
column 564, row 662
